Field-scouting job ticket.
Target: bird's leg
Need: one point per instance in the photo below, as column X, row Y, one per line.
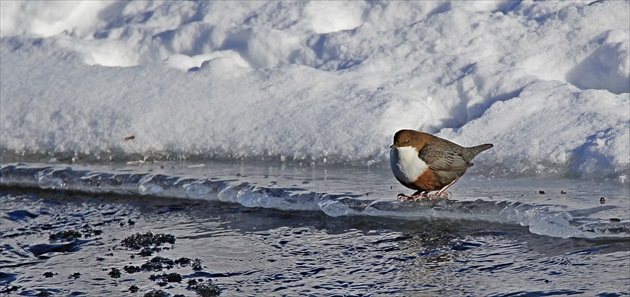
column 442, row 193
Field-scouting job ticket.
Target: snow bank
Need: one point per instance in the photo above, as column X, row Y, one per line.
column 546, row 82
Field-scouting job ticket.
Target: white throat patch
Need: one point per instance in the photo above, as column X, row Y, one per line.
column 406, row 165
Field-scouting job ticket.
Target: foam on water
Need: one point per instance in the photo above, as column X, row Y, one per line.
column 550, row 220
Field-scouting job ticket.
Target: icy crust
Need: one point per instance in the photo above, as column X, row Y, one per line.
column 546, row 81
column 539, row 219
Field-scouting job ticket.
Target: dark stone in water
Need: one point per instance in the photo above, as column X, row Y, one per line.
column 133, row 289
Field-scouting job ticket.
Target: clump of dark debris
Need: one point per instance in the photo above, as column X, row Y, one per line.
column 156, row 293
column 163, row 279
column 205, row 289
column 183, row 262
column 139, row 240
column 49, row 274
column 159, row 263
column 155, row 264
column 115, row 273
column 148, row 242
column 70, row 235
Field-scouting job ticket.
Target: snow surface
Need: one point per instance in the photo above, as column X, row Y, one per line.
column 547, row 82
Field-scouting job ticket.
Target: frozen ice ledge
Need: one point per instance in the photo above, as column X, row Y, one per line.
column 539, row 219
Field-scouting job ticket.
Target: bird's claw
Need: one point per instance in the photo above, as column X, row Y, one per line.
column 423, row 196
column 402, row 197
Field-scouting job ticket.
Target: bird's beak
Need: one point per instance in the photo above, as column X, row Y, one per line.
column 393, row 146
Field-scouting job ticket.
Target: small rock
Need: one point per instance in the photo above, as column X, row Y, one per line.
column 563, row 192
column 49, row 274
column 602, row 200
column 541, row 192
column 115, row 273
column 615, row 220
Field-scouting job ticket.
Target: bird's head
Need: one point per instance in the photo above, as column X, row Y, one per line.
column 407, row 138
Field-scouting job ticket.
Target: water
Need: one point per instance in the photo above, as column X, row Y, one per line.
column 299, row 230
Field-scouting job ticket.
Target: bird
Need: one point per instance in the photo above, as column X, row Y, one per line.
column 425, row 163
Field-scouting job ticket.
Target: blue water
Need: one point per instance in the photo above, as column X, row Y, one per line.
column 299, row 230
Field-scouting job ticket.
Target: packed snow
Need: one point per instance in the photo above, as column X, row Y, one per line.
column 547, row 82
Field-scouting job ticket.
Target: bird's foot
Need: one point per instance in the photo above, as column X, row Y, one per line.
column 423, row 196
column 415, row 197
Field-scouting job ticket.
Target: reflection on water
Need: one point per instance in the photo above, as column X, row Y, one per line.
column 256, row 251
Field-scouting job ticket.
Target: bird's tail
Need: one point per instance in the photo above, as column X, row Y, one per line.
column 471, row 152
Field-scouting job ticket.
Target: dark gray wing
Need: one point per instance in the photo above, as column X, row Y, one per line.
column 442, row 158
